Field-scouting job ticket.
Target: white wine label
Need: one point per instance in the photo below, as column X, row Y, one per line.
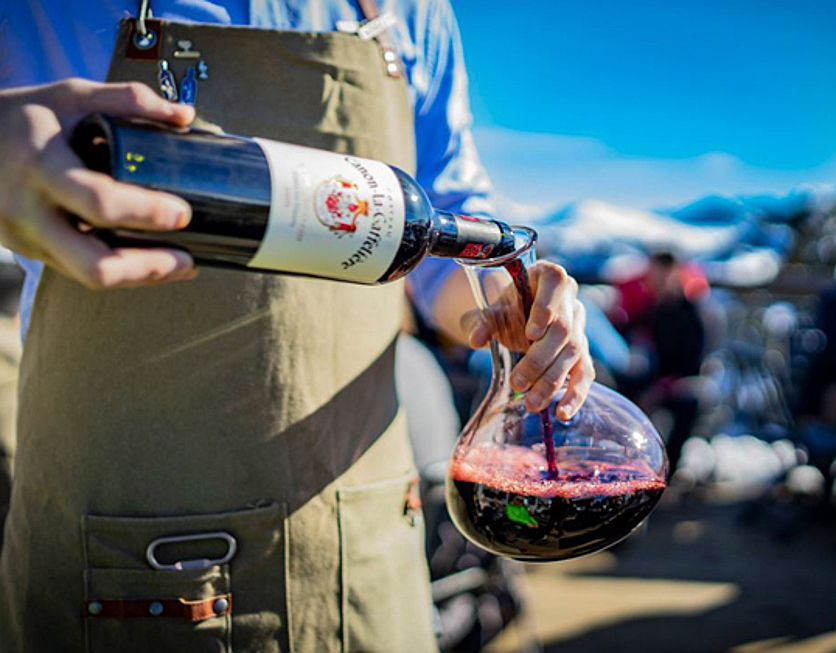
column 331, row 215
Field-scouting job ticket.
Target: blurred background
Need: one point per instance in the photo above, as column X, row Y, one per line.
column 679, row 159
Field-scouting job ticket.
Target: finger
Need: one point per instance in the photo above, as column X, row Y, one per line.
column 128, row 100
column 552, row 297
column 477, row 328
column 135, row 267
column 96, row 266
column 553, row 378
column 101, row 201
column 539, row 357
column 581, row 377
column 546, row 364
column 502, row 320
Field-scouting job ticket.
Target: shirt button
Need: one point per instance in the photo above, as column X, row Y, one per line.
column 389, row 56
column 220, row 606
column 392, row 68
column 94, row 608
column 156, row 608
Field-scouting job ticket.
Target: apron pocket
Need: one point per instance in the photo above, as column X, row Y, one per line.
column 203, row 582
column 386, row 604
column 131, row 610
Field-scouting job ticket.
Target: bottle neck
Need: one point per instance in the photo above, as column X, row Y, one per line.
column 462, row 236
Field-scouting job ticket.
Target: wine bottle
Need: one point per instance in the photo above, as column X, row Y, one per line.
column 269, row 206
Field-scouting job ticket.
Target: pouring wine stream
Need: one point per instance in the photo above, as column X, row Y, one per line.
column 519, row 274
column 516, row 268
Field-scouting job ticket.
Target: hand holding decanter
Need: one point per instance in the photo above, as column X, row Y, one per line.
column 550, row 334
column 528, row 485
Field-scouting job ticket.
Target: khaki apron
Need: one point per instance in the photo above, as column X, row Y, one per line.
column 262, row 406
column 9, row 361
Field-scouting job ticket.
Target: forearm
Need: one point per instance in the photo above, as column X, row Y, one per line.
column 454, row 299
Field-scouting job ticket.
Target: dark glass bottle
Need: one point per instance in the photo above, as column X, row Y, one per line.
column 271, row 206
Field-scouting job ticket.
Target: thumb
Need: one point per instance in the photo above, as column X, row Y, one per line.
column 476, row 328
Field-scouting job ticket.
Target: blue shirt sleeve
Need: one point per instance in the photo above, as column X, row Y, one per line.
column 449, row 168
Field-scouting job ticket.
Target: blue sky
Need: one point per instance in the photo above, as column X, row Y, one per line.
column 648, row 102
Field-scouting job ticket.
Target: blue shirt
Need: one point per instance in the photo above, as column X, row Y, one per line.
column 44, row 41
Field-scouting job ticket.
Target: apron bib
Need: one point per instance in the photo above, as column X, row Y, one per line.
column 260, row 407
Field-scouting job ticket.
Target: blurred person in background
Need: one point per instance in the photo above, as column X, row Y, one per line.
column 816, row 405
column 658, row 315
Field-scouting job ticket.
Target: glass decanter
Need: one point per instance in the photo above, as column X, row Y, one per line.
column 528, row 485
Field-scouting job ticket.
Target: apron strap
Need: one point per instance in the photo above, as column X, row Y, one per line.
column 394, row 65
column 146, row 35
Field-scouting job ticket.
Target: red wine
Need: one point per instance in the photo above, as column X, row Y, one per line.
column 519, row 274
column 502, row 498
column 278, row 207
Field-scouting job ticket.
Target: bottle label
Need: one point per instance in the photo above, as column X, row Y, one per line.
column 331, row 215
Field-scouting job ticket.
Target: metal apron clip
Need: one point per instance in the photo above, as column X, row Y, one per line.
column 144, row 38
column 198, row 563
column 142, row 16
column 146, row 35
column 368, row 29
column 376, row 26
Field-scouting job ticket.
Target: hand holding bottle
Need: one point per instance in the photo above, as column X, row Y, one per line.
column 553, row 339
column 42, row 183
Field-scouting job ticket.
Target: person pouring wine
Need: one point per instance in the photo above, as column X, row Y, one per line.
column 221, row 462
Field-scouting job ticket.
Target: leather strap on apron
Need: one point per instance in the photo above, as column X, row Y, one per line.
column 394, row 66
column 261, row 407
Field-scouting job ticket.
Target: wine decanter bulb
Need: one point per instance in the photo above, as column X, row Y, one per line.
column 532, row 487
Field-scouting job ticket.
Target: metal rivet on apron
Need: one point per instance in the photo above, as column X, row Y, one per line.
column 220, row 606
column 392, row 68
column 156, row 608
column 94, row 608
column 145, row 41
column 389, row 56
